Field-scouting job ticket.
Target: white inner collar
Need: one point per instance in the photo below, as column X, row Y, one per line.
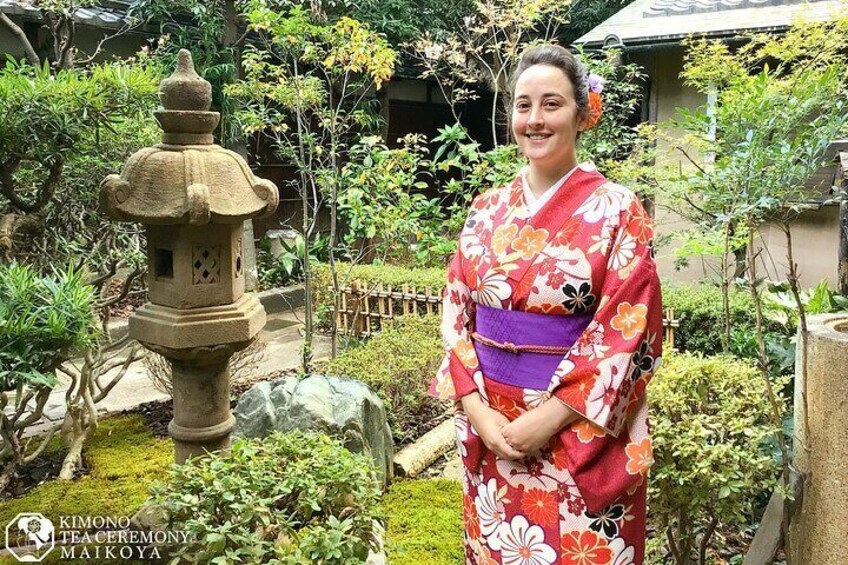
column 535, row 204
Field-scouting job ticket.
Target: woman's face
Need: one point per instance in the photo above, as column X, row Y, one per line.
column 545, row 118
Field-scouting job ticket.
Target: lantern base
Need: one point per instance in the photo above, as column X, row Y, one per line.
column 177, row 328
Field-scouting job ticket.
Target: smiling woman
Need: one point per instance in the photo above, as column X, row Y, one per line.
column 552, row 325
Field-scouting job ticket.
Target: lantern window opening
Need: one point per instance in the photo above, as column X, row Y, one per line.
column 164, row 263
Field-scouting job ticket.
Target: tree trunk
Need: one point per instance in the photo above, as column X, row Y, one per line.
column 843, row 245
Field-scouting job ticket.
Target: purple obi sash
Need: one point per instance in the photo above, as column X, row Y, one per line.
column 523, row 368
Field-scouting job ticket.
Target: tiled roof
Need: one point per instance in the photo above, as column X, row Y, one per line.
column 678, row 7
column 106, row 15
column 661, row 21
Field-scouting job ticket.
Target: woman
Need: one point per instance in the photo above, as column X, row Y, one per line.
column 552, row 325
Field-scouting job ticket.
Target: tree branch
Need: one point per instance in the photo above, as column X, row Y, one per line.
column 16, row 30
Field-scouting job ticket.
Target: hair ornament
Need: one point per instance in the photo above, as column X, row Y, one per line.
column 596, row 86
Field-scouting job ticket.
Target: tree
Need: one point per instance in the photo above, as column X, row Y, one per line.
column 43, row 321
column 486, row 49
column 779, row 102
column 307, row 88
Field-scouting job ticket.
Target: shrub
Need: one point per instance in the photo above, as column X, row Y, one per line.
column 373, row 275
column 42, row 321
column 297, row 498
column 424, row 523
column 398, row 364
column 711, row 425
column 698, row 309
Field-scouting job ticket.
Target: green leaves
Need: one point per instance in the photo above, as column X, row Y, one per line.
column 42, row 321
column 710, row 428
column 295, row 498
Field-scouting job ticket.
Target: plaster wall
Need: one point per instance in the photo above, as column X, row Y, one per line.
column 815, row 234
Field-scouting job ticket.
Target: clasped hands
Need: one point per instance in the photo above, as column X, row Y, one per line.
column 526, row 435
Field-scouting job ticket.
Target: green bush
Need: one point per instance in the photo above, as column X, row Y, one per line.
column 398, row 365
column 698, row 308
column 298, row 498
column 372, row 275
column 711, row 428
column 42, row 321
column 424, row 523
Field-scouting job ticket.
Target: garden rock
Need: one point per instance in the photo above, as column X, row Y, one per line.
column 342, row 408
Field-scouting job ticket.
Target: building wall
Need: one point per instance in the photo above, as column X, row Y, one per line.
column 815, row 234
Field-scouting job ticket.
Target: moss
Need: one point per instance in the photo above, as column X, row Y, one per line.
column 398, row 365
column 123, row 457
column 424, row 523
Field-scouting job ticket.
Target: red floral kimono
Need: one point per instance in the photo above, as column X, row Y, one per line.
column 581, row 501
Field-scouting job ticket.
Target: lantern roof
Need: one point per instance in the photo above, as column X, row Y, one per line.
column 187, row 178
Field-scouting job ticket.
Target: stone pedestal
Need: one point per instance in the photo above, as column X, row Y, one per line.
column 820, row 520
column 203, row 421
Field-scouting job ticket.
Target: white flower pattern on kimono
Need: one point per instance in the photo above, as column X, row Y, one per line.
column 463, row 429
column 622, row 554
column 622, row 252
column 602, row 399
column 471, row 246
column 493, row 290
column 565, row 366
column 523, row 544
column 605, row 202
column 602, row 241
column 533, row 397
column 490, row 511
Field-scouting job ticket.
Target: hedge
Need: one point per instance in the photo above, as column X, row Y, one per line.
column 697, row 307
column 398, row 365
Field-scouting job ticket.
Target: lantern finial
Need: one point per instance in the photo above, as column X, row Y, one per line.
column 185, row 89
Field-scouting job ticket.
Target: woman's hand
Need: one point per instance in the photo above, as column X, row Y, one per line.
column 532, row 431
column 488, row 423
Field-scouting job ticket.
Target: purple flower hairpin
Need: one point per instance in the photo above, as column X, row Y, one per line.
column 596, row 83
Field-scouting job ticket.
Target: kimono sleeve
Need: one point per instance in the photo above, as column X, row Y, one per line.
column 605, row 372
column 455, row 376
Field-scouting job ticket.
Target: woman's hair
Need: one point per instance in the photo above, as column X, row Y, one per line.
column 564, row 60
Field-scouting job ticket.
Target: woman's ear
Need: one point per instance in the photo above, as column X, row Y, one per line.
column 582, row 121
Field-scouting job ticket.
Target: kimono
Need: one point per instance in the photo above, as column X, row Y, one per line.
column 581, row 500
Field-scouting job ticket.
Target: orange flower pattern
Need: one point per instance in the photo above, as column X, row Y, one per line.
column 540, row 506
column 585, row 548
column 580, row 500
column 630, row 319
column 503, row 237
column 529, row 242
column 640, row 456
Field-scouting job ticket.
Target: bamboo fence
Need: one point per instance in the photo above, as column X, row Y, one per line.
column 366, row 310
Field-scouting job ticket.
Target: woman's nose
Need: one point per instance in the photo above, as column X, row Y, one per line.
column 535, row 117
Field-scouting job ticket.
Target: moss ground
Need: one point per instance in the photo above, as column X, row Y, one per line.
column 123, row 457
column 424, row 522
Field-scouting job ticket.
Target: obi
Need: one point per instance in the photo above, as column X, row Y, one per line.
column 523, row 349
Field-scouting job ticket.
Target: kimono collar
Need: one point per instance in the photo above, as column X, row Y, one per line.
column 534, row 203
column 567, row 196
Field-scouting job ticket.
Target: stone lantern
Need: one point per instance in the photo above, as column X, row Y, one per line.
column 193, row 196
